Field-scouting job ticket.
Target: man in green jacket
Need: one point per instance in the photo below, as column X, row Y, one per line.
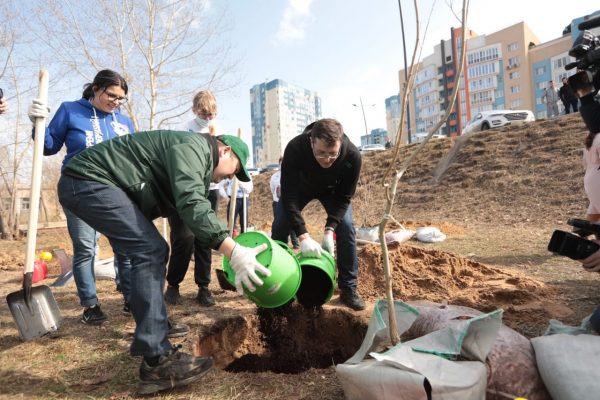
column 119, row 186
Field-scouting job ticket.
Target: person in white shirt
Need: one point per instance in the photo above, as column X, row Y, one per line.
column 276, row 192
column 183, row 242
column 242, row 196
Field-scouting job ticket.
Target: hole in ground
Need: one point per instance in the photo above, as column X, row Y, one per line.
column 289, row 339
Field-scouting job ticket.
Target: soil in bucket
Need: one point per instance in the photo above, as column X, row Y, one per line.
column 318, row 280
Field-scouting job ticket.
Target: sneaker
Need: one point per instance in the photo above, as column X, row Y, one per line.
column 93, row 316
column 350, row 298
column 126, row 308
column 177, row 330
column 204, row 297
column 172, row 295
column 174, row 369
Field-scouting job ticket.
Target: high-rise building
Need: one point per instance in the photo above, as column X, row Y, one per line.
column 507, row 69
column 377, row 136
column 280, row 111
column 392, row 116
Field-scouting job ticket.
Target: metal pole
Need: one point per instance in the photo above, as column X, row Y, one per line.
column 405, row 73
column 364, row 116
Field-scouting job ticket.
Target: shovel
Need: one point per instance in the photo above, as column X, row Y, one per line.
column 34, row 308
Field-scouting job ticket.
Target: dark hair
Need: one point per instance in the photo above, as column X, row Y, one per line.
column 589, row 140
column 327, row 129
column 102, row 80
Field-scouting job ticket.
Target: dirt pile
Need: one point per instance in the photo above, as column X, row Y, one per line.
column 441, row 277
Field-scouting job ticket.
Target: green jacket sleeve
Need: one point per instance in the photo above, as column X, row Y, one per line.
column 189, row 169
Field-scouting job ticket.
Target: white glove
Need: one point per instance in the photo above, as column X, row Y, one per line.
column 37, row 109
column 592, row 263
column 244, row 264
column 328, row 243
column 310, row 248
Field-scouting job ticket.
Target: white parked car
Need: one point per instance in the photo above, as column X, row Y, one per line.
column 253, row 171
column 371, row 147
column 492, row 119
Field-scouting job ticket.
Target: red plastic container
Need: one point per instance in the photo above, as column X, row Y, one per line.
column 40, row 271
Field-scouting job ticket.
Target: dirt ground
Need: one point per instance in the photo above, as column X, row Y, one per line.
column 497, row 195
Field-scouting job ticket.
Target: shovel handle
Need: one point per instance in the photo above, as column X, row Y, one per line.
column 36, row 174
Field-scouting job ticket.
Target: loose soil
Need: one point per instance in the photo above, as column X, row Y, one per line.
column 497, row 195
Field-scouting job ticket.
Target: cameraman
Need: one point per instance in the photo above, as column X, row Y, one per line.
column 590, row 112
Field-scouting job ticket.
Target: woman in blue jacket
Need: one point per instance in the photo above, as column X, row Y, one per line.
column 78, row 125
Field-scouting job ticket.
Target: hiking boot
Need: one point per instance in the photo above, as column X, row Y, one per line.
column 126, row 308
column 177, row 330
column 204, row 297
column 173, row 369
column 93, row 316
column 172, row 295
column 351, row 299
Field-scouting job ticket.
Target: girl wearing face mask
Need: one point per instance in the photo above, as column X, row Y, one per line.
column 183, row 243
column 77, row 125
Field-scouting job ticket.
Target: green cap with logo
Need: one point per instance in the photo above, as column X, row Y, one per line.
column 241, row 151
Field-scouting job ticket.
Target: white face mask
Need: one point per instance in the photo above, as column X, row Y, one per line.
column 202, row 124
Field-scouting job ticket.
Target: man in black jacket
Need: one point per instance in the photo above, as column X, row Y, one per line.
column 567, row 96
column 322, row 164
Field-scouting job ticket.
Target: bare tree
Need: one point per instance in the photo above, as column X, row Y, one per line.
column 391, row 179
column 16, row 137
column 166, row 50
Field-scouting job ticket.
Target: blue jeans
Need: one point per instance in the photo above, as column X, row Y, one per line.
column 84, row 239
column 110, row 211
column 347, row 260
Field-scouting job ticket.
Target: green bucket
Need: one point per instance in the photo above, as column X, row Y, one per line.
column 318, row 280
column 282, row 285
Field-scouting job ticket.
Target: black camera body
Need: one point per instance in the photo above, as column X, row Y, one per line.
column 574, row 245
column 586, row 51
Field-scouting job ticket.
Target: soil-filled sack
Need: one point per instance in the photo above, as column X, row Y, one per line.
column 446, row 364
column 511, row 364
column 430, row 234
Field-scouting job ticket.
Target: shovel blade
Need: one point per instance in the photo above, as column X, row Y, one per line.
column 40, row 317
column 223, row 282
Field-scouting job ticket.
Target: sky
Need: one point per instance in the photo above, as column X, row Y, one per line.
column 348, row 50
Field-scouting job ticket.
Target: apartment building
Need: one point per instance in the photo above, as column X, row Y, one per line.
column 507, row 69
column 279, row 111
column 377, row 136
column 392, row 117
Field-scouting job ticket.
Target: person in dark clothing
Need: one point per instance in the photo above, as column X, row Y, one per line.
column 119, row 187
column 322, row 164
column 183, row 242
column 567, row 96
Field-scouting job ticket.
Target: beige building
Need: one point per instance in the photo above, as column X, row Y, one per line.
column 507, row 69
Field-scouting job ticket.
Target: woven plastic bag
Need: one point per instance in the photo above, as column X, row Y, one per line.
column 422, row 368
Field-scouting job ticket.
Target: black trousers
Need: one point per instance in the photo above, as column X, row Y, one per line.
column 183, row 243
column 570, row 104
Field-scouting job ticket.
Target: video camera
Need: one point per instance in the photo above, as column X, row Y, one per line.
column 586, row 51
column 574, row 245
